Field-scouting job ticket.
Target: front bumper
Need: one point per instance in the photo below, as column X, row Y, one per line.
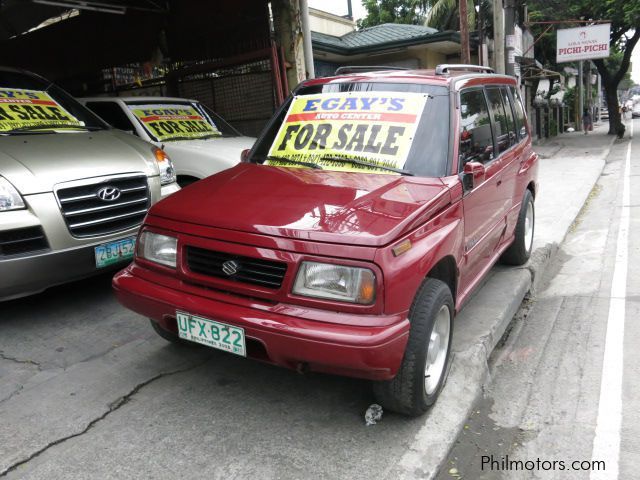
column 293, row 342
column 32, row 273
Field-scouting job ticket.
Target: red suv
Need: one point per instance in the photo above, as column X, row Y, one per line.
column 364, row 216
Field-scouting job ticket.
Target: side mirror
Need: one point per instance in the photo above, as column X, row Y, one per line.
column 244, row 156
column 473, row 174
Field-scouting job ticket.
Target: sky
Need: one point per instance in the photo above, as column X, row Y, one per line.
column 339, row 7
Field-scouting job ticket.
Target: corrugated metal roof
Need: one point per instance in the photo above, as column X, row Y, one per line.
column 380, row 35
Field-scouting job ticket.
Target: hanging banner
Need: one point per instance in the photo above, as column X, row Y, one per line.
column 376, row 127
column 583, row 43
column 173, row 121
column 22, row 109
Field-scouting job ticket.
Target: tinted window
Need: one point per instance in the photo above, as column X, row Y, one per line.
column 429, row 152
column 508, row 109
column 476, row 140
column 501, row 126
column 24, row 81
column 113, row 114
column 519, row 110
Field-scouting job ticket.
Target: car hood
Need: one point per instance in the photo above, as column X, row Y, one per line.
column 36, row 163
column 214, row 154
column 337, row 207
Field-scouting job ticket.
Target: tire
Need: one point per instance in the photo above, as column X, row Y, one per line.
column 170, row 336
column 410, row 392
column 519, row 251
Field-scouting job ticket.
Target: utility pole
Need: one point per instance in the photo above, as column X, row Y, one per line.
column 465, row 55
column 509, row 22
column 580, row 96
column 498, row 36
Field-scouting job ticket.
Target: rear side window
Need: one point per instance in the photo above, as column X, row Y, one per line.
column 519, row 110
column 500, row 121
column 476, row 140
column 508, row 110
column 112, row 114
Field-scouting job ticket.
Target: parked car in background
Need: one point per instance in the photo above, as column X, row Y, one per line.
column 73, row 191
column 198, row 140
column 370, row 208
column 604, row 113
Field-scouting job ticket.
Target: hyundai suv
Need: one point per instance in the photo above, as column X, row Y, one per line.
column 73, row 191
column 369, row 209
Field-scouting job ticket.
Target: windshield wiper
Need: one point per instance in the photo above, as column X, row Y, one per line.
column 50, row 126
column 185, row 137
column 363, row 163
column 297, row 162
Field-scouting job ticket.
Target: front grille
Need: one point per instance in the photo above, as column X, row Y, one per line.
column 22, row 240
column 88, row 215
column 257, row 271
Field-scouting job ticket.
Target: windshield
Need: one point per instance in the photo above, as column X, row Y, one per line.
column 169, row 120
column 381, row 128
column 33, row 105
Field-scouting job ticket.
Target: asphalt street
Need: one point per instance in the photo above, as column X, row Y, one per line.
column 565, row 383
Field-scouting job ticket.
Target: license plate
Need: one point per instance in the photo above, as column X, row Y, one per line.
column 115, row 252
column 211, row 333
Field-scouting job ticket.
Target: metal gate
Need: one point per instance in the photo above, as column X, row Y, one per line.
column 244, row 90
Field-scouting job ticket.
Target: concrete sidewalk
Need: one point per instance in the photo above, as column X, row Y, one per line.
column 570, row 166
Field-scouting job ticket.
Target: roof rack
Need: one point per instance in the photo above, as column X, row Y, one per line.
column 445, row 68
column 363, row 68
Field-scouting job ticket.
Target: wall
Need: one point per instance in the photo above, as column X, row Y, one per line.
column 329, row 24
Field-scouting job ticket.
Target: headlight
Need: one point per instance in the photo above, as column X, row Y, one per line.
column 158, row 248
column 336, row 282
column 10, row 199
column 167, row 172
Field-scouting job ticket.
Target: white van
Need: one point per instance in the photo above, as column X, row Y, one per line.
column 198, row 140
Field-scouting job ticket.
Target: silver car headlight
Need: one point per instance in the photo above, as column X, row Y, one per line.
column 158, row 248
column 10, row 199
column 167, row 171
column 336, row 282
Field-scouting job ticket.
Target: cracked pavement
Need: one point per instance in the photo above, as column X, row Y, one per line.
column 88, row 390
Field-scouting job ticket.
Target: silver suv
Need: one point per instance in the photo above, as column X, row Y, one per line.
column 73, row 191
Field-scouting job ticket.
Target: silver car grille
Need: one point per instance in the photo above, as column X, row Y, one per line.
column 104, row 206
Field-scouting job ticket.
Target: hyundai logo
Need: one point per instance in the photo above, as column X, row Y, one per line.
column 109, row 194
column 230, row 267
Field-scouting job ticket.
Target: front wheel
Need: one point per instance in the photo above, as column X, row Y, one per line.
column 520, row 250
column 425, row 365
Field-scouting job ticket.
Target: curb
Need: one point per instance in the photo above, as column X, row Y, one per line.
column 486, row 318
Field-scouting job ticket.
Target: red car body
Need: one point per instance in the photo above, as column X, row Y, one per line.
column 359, row 219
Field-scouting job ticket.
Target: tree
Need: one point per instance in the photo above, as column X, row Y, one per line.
column 393, row 11
column 624, row 17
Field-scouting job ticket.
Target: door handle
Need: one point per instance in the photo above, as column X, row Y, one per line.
column 498, row 183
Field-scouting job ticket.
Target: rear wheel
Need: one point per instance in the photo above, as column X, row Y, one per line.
column 520, row 250
column 425, row 365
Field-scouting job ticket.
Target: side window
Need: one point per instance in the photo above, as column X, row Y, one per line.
column 500, row 122
column 111, row 113
column 476, row 140
column 519, row 110
column 508, row 110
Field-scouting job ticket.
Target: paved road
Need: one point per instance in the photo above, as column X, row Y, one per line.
column 566, row 383
column 88, row 390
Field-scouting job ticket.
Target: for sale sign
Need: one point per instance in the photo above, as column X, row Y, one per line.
column 22, row 109
column 583, row 43
column 173, row 122
column 376, row 127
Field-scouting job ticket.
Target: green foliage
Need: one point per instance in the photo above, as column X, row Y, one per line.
column 393, row 11
column 624, row 17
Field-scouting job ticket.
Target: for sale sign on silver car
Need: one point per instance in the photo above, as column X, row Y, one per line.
column 583, row 43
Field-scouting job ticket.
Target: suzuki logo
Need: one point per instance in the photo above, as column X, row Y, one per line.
column 109, row 194
column 230, row 267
